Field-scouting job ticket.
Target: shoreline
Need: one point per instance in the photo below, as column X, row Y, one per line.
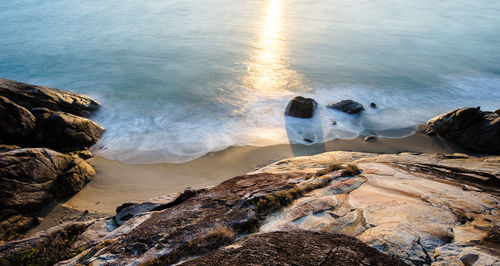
column 116, row 182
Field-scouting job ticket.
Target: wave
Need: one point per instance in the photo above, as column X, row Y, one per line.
column 152, row 132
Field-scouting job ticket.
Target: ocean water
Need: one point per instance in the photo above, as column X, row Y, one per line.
column 180, row 78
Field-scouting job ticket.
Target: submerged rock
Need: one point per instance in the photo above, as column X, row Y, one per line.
column 65, row 131
column 33, row 96
column 301, row 107
column 15, row 121
column 347, row 106
column 471, row 128
column 296, row 248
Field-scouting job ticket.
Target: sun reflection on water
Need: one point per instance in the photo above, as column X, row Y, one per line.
column 268, row 70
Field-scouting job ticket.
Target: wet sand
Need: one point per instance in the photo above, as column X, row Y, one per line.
column 117, row 182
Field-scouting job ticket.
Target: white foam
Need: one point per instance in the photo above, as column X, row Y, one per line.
column 177, row 133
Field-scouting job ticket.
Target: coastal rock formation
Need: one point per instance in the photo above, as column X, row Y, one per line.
column 347, row 106
column 28, row 177
column 298, row 247
column 471, row 128
column 31, row 178
column 33, row 96
column 65, row 131
column 301, row 107
column 422, row 209
column 15, row 121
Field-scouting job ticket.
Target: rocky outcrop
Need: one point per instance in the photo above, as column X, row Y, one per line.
column 31, row 178
column 421, row 209
column 33, row 96
column 65, row 131
column 301, row 107
column 470, row 128
column 424, row 209
column 296, row 247
column 15, row 121
column 347, row 106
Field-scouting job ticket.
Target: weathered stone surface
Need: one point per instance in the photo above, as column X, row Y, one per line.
column 470, row 128
column 44, row 248
column 301, row 107
column 27, row 177
column 347, row 106
column 423, row 209
column 15, row 121
column 13, row 225
column 65, row 131
column 296, row 248
column 31, row 178
column 33, row 96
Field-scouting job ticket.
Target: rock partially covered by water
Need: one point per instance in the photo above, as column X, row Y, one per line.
column 32, row 96
column 471, row 128
column 297, row 247
column 65, row 131
column 301, row 107
column 347, row 106
column 15, row 121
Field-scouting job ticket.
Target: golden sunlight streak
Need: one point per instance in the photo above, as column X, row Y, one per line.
column 267, row 71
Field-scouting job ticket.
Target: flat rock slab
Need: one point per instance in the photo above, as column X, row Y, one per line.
column 423, row 209
column 420, row 209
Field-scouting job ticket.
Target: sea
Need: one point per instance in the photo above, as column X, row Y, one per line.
column 178, row 79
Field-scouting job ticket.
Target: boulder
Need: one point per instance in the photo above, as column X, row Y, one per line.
column 64, row 131
column 347, row 106
column 296, row 248
column 301, row 107
column 15, row 121
column 471, row 128
column 32, row 96
column 30, row 178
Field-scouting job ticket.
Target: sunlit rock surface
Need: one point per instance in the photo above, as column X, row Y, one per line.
column 418, row 209
column 421, row 208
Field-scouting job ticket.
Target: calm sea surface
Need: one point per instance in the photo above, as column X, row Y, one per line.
column 180, row 78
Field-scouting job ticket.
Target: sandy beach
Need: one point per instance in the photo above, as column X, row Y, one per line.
column 117, row 182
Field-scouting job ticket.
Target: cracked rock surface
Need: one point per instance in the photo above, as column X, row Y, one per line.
column 416, row 209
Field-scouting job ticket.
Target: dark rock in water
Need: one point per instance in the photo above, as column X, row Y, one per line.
column 373, row 105
column 296, row 248
column 15, row 121
column 470, row 128
column 333, row 122
column 347, row 106
column 65, row 131
column 33, row 96
column 301, row 107
column 370, row 138
column 29, row 178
